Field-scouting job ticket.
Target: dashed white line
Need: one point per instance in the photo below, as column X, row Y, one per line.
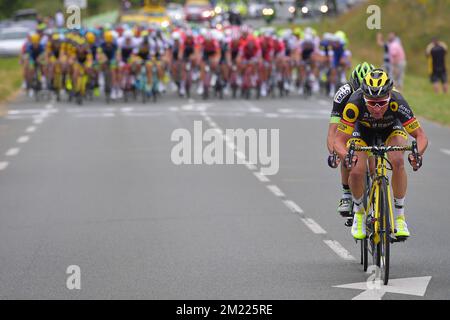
column 276, row 191
column 339, row 250
column 23, row 139
column 30, row 129
column 12, row 152
column 313, row 226
column 38, row 121
column 3, row 165
column 126, row 109
column 446, row 151
column 310, row 223
column 285, row 110
column 261, row 177
column 272, row 115
column 293, row 206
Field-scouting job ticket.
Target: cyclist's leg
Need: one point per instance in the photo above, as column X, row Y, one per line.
column 399, row 179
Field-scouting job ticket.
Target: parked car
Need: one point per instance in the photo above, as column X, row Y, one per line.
column 12, row 40
column 26, row 18
column 198, row 11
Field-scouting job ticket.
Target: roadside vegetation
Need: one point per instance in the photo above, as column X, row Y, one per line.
column 11, row 77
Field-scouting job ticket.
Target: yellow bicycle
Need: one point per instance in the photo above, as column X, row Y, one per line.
column 379, row 214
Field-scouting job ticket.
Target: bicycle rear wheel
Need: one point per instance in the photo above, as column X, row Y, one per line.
column 383, row 247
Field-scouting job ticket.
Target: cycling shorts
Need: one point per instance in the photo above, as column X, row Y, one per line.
column 365, row 136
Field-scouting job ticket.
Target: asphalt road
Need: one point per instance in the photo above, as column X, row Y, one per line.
column 94, row 186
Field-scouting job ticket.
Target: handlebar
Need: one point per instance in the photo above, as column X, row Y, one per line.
column 381, row 151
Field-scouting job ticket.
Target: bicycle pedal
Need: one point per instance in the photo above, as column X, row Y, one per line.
column 346, row 214
column 349, row 222
column 399, row 239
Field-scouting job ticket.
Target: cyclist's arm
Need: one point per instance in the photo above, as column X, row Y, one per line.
column 332, row 127
column 340, row 143
column 422, row 140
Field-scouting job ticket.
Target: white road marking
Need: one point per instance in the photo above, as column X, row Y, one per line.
column 126, row 109
column 285, row 110
column 261, row 177
column 38, row 120
column 107, row 114
column 254, row 109
column 375, row 290
column 293, row 206
column 30, row 129
column 313, row 226
column 446, row 151
column 12, row 152
column 3, row 165
column 276, row 191
column 339, row 250
column 23, row 139
column 310, row 223
column 272, row 115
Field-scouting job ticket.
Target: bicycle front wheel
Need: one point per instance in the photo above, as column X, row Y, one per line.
column 383, row 247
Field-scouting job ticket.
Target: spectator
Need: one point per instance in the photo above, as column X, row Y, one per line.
column 59, row 19
column 436, row 53
column 384, row 45
column 397, row 59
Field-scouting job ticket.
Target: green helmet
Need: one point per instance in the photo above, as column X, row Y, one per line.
column 358, row 74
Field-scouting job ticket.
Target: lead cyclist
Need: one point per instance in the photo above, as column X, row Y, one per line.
column 377, row 109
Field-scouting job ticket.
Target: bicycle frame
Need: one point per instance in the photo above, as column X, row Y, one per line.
column 374, row 195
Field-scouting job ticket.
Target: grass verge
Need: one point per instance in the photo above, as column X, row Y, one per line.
column 10, row 77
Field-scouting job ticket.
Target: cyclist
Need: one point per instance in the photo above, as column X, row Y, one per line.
column 176, row 61
column 340, row 101
column 188, row 52
column 209, row 51
column 267, row 55
column 54, row 53
column 224, row 60
column 143, row 54
column 91, row 39
column 307, row 57
column 34, row 52
column 159, row 46
column 340, row 62
column 377, row 109
column 108, row 53
column 249, row 57
column 83, row 62
column 128, row 45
